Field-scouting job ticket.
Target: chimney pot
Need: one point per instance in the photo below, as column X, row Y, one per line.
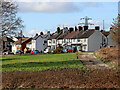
column 36, row 34
column 41, row 33
column 85, row 28
column 58, row 29
column 97, row 28
column 75, row 28
column 80, row 28
column 71, row 29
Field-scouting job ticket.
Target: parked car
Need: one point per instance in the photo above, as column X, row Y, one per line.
column 29, row 51
column 19, row 51
column 72, row 49
column 46, row 50
column 35, row 51
column 7, row 52
column 64, row 50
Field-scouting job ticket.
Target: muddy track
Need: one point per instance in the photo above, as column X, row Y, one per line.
column 89, row 60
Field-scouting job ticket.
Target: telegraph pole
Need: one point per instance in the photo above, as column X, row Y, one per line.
column 103, row 25
column 86, row 21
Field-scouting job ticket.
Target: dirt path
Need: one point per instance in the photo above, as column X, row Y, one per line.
column 89, row 60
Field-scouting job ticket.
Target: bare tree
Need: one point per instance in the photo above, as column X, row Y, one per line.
column 9, row 22
column 115, row 30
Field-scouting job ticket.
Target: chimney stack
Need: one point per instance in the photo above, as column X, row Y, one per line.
column 58, row 29
column 36, row 34
column 85, row 28
column 80, row 28
column 48, row 33
column 41, row 33
column 65, row 27
column 97, row 28
column 111, row 29
column 76, row 28
column 71, row 29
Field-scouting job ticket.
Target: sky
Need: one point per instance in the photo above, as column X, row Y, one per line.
column 47, row 16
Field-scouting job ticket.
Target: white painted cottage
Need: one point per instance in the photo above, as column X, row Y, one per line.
column 83, row 39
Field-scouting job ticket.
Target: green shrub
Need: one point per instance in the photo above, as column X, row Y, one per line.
column 58, row 50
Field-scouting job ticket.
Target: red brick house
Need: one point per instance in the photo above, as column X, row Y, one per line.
column 20, row 44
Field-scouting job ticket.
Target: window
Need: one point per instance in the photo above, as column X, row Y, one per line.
column 49, row 41
column 53, row 41
column 68, row 40
column 84, row 40
column 84, row 47
column 45, row 41
column 73, row 40
column 104, row 40
column 78, row 40
column 53, row 47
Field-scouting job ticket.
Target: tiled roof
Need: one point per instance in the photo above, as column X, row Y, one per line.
column 23, row 40
column 55, row 35
column 106, row 33
column 79, row 34
column 5, row 39
column 63, row 35
column 87, row 33
column 42, row 36
column 35, row 37
column 70, row 35
column 73, row 34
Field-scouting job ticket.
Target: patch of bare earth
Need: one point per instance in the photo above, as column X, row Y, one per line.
column 61, row 78
column 109, row 53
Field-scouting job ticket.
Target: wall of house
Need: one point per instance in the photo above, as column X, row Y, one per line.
column 14, row 49
column 29, row 46
column 24, row 44
column 110, row 42
column 49, row 42
column 53, row 43
column 33, row 45
column 59, row 41
column 95, row 41
column 84, row 44
column 39, row 44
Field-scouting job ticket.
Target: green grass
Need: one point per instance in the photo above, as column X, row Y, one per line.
column 40, row 62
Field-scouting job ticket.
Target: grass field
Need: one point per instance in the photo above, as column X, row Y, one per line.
column 40, row 62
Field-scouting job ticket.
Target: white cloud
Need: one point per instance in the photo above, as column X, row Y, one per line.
column 92, row 4
column 66, row 0
column 31, row 32
column 54, row 7
column 48, row 7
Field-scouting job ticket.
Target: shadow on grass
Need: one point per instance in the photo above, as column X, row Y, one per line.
column 43, row 64
column 4, row 59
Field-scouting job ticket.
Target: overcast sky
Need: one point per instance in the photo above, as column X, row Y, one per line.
column 44, row 16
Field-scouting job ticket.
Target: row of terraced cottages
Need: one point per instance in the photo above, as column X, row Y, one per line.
column 83, row 39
